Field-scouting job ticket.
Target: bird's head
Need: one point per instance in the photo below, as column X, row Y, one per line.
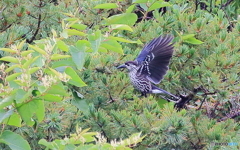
column 130, row 65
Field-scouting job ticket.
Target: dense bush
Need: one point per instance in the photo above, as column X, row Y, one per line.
column 58, row 72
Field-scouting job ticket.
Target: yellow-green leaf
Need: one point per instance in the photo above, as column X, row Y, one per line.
column 8, row 50
column 61, row 45
column 32, row 70
column 39, row 50
column 21, row 44
column 106, row 6
column 125, row 18
column 130, row 9
column 55, row 72
column 25, row 53
column 15, row 120
column 157, row 5
column 59, row 56
column 75, row 79
column 10, row 59
column 79, row 26
column 13, row 76
column 193, row 41
column 121, row 27
column 140, row 1
column 75, row 32
column 184, row 37
column 112, row 45
column 29, row 62
column 52, row 98
column 12, row 67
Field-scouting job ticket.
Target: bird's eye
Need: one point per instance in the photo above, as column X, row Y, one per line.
column 127, row 64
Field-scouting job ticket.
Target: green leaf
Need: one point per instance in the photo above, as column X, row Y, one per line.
column 193, row 41
column 8, row 50
column 112, row 45
column 158, row 4
column 81, row 104
column 64, row 34
column 10, row 59
column 12, row 67
column 184, row 37
column 25, row 53
column 40, row 112
column 78, row 55
column 14, row 141
column 20, row 45
column 61, row 45
column 42, row 89
column 37, row 49
column 121, row 27
column 52, row 98
column 33, row 70
column 140, row 1
column 5, row 114
column 6, row 101
column 29, row 62
column 76, row 80
column 95, row 39
column 20, row 96
column 75, row 32
column 130, row 9
column 15, row 120
column 59, row 56
column 125, row 18
column 63, row 63
column 79, row 26
column 106, row 6
column 26, row 111
column 71, row 19
column 58, row 89
column 54, row 72
column 102, row 49
column 13, row 76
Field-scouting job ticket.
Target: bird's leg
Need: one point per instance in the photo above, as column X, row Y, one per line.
column 143, row 94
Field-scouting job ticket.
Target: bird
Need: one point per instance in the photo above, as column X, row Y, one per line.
column 151, row 65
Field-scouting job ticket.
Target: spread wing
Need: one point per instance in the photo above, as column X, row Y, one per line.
column 154, row 58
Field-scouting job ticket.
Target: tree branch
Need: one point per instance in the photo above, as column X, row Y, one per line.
column 37, row 30
column 226, row 4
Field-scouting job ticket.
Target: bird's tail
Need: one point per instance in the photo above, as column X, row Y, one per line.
column 156, row 90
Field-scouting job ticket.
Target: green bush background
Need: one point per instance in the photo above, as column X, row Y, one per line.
column 58, row 73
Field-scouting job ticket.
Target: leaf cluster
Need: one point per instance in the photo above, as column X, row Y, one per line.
column 58, row 71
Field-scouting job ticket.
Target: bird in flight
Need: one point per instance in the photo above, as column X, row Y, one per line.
column 151, row 65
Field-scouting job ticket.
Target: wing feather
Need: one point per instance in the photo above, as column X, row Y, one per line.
column 155, row 58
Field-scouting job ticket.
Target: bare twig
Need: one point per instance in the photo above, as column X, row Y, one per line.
column 226, row 4
column 37, row 30
column 202, row 102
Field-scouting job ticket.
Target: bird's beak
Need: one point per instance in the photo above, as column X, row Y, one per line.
column 121, row 66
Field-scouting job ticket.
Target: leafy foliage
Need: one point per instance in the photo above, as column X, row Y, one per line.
column 83, row 140
column 58, row 71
